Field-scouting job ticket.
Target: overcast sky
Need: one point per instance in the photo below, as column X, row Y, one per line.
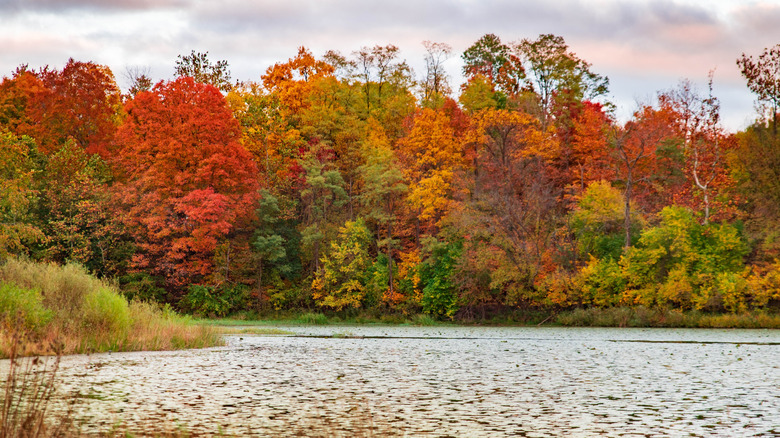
column 642, row 46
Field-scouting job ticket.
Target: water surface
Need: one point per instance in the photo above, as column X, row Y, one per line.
column 443, row 381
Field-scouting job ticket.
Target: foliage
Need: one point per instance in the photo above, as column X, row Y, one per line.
column 22, row 308
column 602, row 282
column 345, row 183
column 491, row 58
column 18, row 195
column 696, row 263
column 84, row 314
column 82, row 224
column 342, row 281
column 597, row 222
column 207, row 300
column 199, row 67
column 80, row 103
column 439, row 294
column 763, row 78
column 187, row 184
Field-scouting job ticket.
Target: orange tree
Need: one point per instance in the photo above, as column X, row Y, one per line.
column 187, row 185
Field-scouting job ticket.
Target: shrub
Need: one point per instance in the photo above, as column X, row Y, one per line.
column 63, row 287
column 21, row 307
column 106, row 315
column 204, row 300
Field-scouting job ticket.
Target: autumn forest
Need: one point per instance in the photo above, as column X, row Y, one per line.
column 349, row 182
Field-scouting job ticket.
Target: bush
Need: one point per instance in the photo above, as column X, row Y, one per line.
column 106, row 314
column 21, row 307
column 143, row 287
column 63, row 287
column 204, row 300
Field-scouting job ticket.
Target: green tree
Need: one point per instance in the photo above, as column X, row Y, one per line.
column 597, row 222
column 697, row 260
column 321, row 199
column 436, row 277
column 81, row 223
column 18, row 194
column 268, row 243
column 383, row 190
column 554, row 70
column 342, row 281
column 491, row 58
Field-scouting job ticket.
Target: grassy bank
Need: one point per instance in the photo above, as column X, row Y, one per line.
column 320, row 318
column 644, row 317
column 592, row 317
column 62, row 309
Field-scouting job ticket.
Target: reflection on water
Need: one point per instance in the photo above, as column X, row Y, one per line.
column 452, row 381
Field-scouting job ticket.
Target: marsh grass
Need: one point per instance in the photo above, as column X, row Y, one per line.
column 67, row 307
column 645, row 317
column 313, row 318
column 28, row 392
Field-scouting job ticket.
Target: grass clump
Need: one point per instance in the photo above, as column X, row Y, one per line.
column 313, row 318
column 67, row 307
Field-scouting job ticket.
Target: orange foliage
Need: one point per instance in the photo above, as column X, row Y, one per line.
column 187, row 184
column 80, row 102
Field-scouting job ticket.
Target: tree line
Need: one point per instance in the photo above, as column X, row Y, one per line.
column 348, row 182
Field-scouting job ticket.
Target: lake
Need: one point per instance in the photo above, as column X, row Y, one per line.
column 443, row 381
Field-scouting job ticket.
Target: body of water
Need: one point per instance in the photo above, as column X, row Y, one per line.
column 443, row 381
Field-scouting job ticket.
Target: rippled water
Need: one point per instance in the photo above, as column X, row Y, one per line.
column 451, row 381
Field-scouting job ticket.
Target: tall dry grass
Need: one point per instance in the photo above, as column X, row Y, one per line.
column 67, row 307
column 27, row 395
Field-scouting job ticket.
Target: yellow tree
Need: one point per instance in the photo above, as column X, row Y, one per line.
column 432, row 155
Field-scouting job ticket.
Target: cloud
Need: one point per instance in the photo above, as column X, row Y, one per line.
column 641, row 45
column 20, row 6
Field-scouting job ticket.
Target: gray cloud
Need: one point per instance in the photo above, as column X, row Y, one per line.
column 20, row 6
column 643, row 46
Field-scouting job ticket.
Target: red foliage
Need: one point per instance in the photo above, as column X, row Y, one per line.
column 187, row 182
column 80, row 102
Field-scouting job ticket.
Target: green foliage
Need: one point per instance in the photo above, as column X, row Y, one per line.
column 598, row 220
column 22, row 308
column 377, row 280
column 106, row 312
column 79, row 223
column 342, row 281
column 289, row 297
column 214, row 301
column 276, row 242
column 602, row 282
column 555, row 71
column 63, row 287
column 684, row 263
column 478, row 94
column 18, row 195
column 313, row 318
column 141, row 286
column 85, row 314
column 436, row 275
